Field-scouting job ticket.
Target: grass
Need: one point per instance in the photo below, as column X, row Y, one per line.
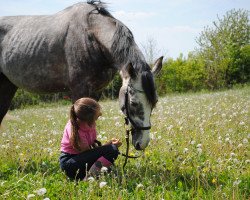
column 199, row 150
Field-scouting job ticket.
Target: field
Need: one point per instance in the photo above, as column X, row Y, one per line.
column 199, row 150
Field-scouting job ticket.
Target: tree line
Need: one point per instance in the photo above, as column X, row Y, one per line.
column 221, row 61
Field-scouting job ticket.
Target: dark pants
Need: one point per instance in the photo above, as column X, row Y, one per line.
column 76, row 165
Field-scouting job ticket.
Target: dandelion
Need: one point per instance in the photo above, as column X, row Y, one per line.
column 41, row 191
column 245, row 141
column 102, row 184
column 139, row 186
column 199, row 150
column 192, row 142
column 118, row 124
column 91, row 179
column 185, row 150
column 30, row 196
column 237, row 182
column 232, row 154
column 227, row 139
column 104, row 169
column 214, row 181
column 242, row 123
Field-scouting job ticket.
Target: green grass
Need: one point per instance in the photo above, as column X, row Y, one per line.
column 199, row 150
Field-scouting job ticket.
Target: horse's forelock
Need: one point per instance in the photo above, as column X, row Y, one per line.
column 148, row 86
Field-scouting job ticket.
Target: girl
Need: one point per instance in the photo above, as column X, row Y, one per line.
column 79, row 151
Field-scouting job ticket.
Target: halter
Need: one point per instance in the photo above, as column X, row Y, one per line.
column 128, row 120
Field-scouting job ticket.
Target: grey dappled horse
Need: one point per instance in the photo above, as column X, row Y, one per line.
column 78, row 49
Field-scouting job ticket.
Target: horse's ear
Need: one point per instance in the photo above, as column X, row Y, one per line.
column 157, row 66
column 128, row 71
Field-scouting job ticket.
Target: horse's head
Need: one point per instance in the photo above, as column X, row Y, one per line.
column 137, row 99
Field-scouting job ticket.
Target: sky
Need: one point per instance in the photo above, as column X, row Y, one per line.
column 173, row 25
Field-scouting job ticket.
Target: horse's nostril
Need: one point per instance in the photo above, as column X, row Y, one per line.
column 137, row 146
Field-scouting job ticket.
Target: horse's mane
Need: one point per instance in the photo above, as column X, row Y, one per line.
column 100, row 7
column 125, row 50
column 149, row 87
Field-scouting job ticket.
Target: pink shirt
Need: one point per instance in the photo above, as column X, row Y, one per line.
column 87, row 137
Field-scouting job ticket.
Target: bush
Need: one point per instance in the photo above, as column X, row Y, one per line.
column 23, row 98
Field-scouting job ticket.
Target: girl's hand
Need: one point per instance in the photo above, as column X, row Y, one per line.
column 116, row 142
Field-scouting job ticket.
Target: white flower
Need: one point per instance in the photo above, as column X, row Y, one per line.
column 102, row 184
column 242, row 123
column 185, row 150
column 118, row 124
column 104, row 169
column 232, row 154
column 30, row 196
column 237, row 182
column 41, row 191
column 199, row 150
column 240, row 145
column 139, row 186
column 192, row 142
column 227, row 139
column 46, row 198
column 245, row 141
column 199, row 146
column 91, row 179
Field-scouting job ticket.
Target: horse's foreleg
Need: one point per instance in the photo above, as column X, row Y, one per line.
column 7, row 92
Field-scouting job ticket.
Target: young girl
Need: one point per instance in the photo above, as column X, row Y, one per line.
column 79, row 152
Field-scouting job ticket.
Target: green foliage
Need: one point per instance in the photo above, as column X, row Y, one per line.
column 112, row 91
column 23, row 98
column 181, row 75
column 224, row 50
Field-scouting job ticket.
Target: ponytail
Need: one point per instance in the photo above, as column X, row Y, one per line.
column 74, row 136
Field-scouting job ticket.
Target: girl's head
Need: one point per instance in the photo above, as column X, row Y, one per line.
column 84, row 110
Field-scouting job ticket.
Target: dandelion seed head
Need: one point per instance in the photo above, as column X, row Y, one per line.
column 185, row 150
column 245, row 141
column 102, row 184
column 91, row 179
column 30, row 196
column 199, row 150
column 41, row 191
column 139, row 186
column 104, row 169
column 232, row 154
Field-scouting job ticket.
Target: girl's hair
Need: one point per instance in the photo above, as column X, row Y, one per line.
column 83, row 109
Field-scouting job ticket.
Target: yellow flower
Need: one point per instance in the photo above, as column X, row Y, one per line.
column 214, row 181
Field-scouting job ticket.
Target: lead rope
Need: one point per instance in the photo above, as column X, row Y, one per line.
column 127, row 149
column 127, row 143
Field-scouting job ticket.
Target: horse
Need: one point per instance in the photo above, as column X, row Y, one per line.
column 79, row 50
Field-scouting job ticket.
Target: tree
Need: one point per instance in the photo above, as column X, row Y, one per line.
column 224, row 49
column 150, row 50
